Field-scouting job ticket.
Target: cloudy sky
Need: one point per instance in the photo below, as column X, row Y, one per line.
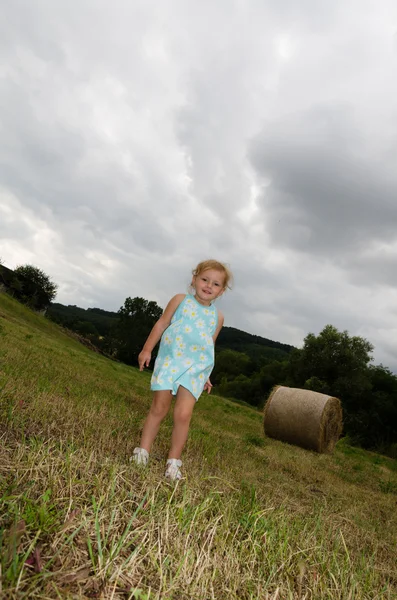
column 138, row 137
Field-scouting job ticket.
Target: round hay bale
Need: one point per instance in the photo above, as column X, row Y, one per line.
column 304, row 418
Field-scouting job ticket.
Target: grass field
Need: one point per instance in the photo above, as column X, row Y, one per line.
column 253, row 518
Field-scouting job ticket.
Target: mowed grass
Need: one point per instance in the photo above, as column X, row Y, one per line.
column 253, row 518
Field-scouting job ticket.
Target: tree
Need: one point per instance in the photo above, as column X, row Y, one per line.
column 239, row 388
column 382, row 413
column 275, row 373
column 337, row 361
column 135, row 320
column 38, row 289
column 229, row 364
column 337, row 364
column 86, row 328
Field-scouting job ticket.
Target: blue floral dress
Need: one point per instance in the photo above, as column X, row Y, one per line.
column 186, row 353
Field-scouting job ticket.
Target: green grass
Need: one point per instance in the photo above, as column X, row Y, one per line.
column 253, row 518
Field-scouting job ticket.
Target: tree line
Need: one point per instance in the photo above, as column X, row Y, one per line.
column 247, row 366
column 29, row 285
column 332, row 363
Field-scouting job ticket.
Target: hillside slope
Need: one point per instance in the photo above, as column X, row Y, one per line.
column 253, row 518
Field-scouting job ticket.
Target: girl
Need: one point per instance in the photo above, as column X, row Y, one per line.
column 188, row 329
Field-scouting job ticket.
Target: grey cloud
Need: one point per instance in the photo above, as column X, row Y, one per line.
column 45, row 163
column 135, row 135
column 374, row 269
column 390, row 355
column 324, row 194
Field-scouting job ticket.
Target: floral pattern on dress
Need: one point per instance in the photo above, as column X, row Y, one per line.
column 186, row 353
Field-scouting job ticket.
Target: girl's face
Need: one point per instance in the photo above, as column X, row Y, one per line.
column 209, row 285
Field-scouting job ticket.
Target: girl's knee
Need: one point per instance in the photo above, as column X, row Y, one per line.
column 182, row 415
column 159, row 409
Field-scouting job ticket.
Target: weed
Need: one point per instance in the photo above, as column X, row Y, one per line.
column 388, row 487
column 254, row 440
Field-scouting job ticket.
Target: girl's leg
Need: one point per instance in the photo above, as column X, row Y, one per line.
column 160, row 406
column 183, row 410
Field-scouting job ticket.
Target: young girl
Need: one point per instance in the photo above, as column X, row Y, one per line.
column 188, row 329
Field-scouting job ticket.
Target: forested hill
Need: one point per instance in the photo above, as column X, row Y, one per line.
column 97, row 321
column 235, row 339
column 91, row 320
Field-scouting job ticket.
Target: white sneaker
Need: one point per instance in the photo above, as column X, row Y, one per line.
column 173, row 471
column 140, row 457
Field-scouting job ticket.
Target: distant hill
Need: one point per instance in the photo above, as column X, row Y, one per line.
column 253, row 345
column 72, row 317
column 77, row 319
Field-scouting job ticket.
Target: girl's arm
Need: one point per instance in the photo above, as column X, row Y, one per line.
column 158, row 330
column 221, row 319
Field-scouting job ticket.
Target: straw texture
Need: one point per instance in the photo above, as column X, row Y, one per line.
column 304, row 418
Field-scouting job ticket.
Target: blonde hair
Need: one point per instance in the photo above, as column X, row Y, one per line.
column 205, row 265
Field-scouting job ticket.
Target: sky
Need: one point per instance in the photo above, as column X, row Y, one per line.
column 138, row 138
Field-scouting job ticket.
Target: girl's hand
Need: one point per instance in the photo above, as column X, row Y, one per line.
column 144, row 359
column 208, row 387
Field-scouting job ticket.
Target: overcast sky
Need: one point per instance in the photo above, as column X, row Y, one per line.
column 140, row 137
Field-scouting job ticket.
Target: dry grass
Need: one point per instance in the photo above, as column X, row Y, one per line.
column 254, row 518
